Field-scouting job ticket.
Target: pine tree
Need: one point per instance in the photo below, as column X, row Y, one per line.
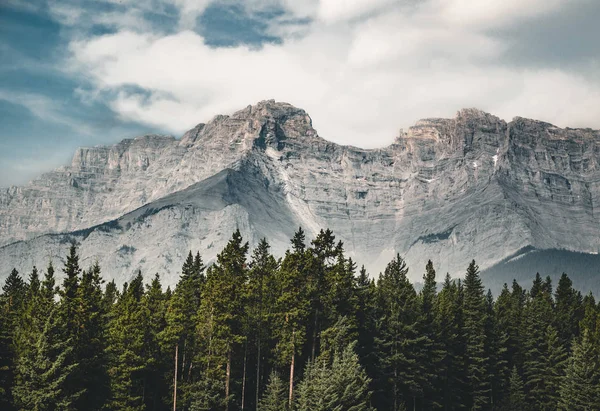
column 179, row 335
column 431, row 351
column 449, row 323
column 44, row 371
column 48, row 287
column 338, row 386
column 537, row 318
column 292, row 308
column 158, row 361
column 568, row 311
column 475, row 319
column 275, row 398
column 261, row 301
column 366, row 315
column 580, row 387
column 516, row 398
column 127, row 354
column 90, row 354
column 401, row 366
column 221, row 313
column 11, row 301
column 556, row 360
column 496, row 343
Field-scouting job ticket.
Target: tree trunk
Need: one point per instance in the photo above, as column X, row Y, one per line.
column 292, row 370
column 175, row 379
column 244, row 376
column 227, row 377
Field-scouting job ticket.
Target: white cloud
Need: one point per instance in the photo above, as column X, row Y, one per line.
column 361, row 74
column 44, row 108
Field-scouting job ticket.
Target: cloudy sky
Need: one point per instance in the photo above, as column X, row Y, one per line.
column 82, row 72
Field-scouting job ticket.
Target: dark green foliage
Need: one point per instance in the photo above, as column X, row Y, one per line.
column 127, row 355
column 477, row 359
column 399, row 343
column 11, row 301
column 275, row 397
column 449, row 323
column 338, row 385
column 44, row 370
column 580, row 389
column 516, row 396
column 328, row 337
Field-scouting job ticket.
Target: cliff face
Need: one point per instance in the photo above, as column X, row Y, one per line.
column 446, row 189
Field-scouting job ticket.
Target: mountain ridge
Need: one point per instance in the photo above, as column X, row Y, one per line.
column 443, row 189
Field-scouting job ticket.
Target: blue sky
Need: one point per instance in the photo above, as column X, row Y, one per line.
column 80, row 73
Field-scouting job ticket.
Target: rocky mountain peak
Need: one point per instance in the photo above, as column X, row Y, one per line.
column 447, row 189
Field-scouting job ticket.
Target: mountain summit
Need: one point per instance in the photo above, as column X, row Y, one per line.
column 448, row 190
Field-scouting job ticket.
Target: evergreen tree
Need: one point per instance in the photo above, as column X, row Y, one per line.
column 366, row 315
column 431, row 351
column 179, row 335
column 91, row 346
column 292, row 308
column 401, row 366
column 261, row 301
column 556, row 360
column 538, row 316
column 221, row 314
column 127, row 354
column 49, row 284
column 44, row 371
column 11, row 301
column 580, row 389
column 340, row 385
column 449, row 323
column 568, row 311
column 496, row 350
column 158, row 360
column 516, row 398
column 474, row 327
column 275, row 398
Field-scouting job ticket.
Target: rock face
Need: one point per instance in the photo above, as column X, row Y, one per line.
column 447, row 189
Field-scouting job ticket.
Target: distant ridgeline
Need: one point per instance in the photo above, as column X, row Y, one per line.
column 306, row 332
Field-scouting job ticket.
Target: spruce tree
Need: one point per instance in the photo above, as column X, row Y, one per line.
column 221, row 315
column 449, row 325
column 556, row 361
column 431, row 351
column 580, row 389
column 401, row 367
column 338, row 385
column 158, row 361
column 292, row 308
column 44, row 370
column 275, row 396
column 91, row 347
column 260, row 303
column 126, row 350
column 537, row 318
column 516, row 397
column 11, row 302
column 179, row 335
column 568, row 311
column 476, row 351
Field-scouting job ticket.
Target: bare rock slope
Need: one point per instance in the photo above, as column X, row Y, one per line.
column 446, row 189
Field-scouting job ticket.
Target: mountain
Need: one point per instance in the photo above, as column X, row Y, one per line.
column 451, row 190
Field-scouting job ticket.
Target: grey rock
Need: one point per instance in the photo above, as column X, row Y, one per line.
column 447, row 189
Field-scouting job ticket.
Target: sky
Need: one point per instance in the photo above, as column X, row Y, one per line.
column 88, row 72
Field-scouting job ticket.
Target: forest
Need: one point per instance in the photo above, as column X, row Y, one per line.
column 305, row 332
